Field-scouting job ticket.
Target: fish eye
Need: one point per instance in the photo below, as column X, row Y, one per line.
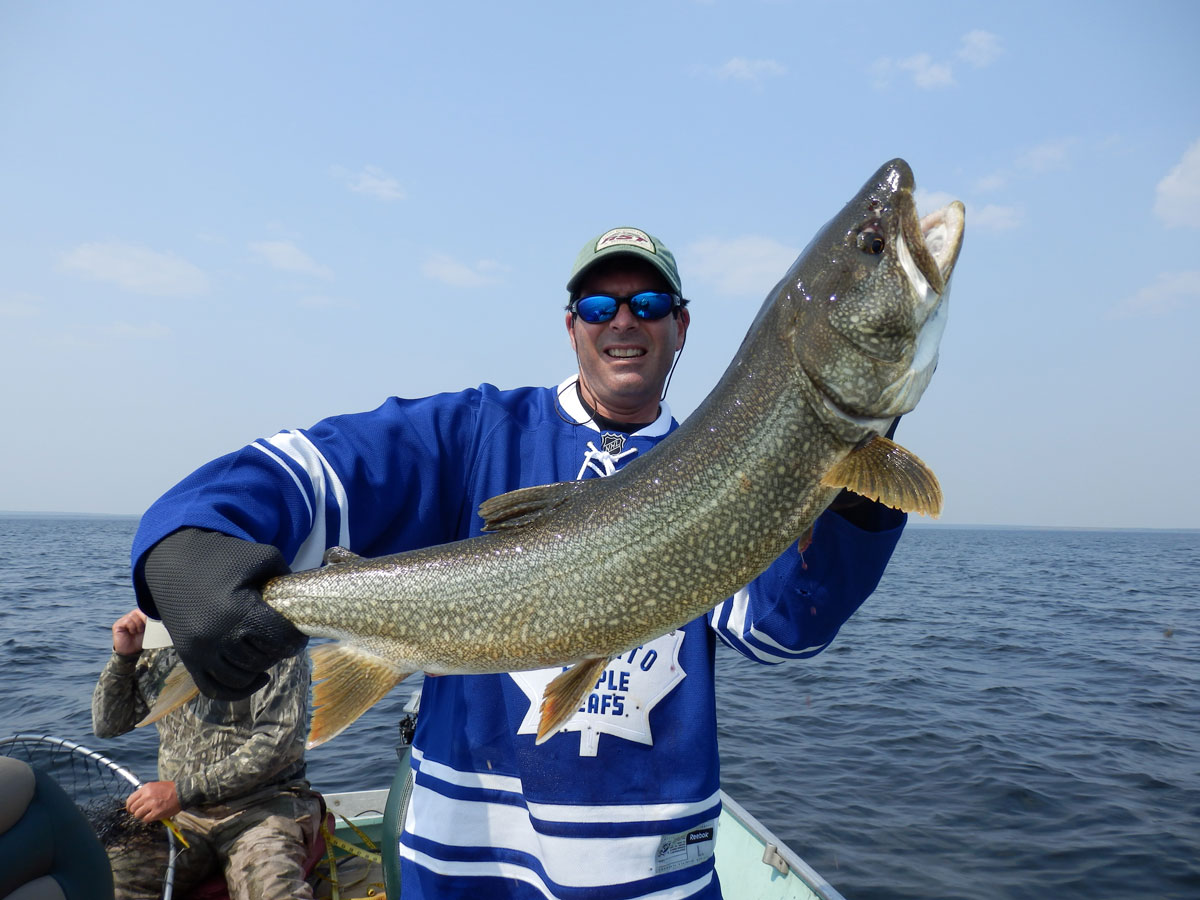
column 870, row 240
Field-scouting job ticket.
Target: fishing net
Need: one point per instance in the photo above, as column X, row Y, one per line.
column 99, row 787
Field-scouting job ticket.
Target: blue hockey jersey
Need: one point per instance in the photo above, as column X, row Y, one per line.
column 623, row 802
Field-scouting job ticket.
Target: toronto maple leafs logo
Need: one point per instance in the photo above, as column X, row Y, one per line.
column 621, row 701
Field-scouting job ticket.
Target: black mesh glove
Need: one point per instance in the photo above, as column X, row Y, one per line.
column 208, row 590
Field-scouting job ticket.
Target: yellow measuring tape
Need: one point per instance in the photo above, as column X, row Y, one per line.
column 331, row 841
column 174, row 829
column 336, row 841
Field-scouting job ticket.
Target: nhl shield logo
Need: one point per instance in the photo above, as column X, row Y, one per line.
column 613, row 443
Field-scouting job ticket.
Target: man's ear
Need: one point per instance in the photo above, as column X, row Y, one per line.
column 685, row 319
column 571, row 331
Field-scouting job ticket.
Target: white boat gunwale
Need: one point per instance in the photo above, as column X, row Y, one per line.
column 751, row 860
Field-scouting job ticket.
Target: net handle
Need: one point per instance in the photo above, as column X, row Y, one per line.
column 75, row 748
column 97, row 757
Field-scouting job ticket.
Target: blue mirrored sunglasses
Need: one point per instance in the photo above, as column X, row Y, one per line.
column 648, row 305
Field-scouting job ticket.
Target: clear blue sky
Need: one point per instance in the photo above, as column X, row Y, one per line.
column 221, row 219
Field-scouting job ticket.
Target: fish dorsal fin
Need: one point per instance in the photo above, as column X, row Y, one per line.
column 883, row 470
column 178, row 688
column 336, row 556
column 518, row 508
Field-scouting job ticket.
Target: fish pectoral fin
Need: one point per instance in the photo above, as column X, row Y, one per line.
column 177, row 689
column 883, row 470
column 563, row 695
column 524, row 505
column 347, row 681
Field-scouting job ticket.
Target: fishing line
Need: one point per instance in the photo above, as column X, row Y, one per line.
column 671, row 374
column 558, row 406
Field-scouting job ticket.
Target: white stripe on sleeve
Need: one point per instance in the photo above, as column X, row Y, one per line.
column 325, row 483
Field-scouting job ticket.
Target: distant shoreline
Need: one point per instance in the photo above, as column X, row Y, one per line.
column 929, row 526
column 25, row 514
column 914, row 522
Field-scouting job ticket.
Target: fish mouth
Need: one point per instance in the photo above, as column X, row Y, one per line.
column 942, row 232
column 932, row 242
column 928, row 261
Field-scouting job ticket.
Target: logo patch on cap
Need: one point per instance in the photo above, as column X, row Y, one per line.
column 632, row 237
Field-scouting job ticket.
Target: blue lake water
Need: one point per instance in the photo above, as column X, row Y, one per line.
column 1014, row 714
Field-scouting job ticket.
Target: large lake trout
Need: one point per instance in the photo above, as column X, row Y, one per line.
column 576, row 573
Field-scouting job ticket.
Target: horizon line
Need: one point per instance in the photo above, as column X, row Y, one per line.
column 914, row 522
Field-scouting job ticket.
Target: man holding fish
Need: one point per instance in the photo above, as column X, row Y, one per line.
column 570, row 750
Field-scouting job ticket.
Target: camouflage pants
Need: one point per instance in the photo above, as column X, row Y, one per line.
column 260, row 849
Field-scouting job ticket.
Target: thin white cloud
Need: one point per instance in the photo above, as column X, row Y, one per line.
column 928, row 201
column 287, row 257
column 995, row 217
column 925, row 72
column 19, row 306
column 144, row 331
column 993, row 182
column 1171, row 291
column 372, row 181
column 323, row 301
column 979, row 48
column 1177, row 196
column 737, row 266
column 989, row 216
column 444, row 268
column 739, row 68
column 1047, row 156
column 882, row 71
column 136, row 268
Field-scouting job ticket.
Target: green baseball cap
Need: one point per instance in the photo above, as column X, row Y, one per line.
column 628, row 242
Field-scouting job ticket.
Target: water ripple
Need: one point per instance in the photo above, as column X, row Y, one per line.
column 1012, row 715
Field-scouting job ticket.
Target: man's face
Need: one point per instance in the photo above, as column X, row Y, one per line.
column 623, row 363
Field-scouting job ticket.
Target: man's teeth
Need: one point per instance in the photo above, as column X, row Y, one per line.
column 625, row 352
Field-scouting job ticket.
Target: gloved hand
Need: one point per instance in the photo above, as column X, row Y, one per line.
column 208, row 590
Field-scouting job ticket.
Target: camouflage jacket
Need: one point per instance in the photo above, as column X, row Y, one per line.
column 216, row 751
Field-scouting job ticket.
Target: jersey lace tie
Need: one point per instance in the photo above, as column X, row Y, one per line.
column 602, row 462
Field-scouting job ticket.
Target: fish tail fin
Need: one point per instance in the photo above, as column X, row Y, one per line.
column 882, row 470
column 564, row 694
column 177, row 689
column 347, row 681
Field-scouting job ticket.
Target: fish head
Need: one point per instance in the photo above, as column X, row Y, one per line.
column 868, row 299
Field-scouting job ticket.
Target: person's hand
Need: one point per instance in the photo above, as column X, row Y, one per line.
column 128, row 632
column 154, row 801
column 207, row 588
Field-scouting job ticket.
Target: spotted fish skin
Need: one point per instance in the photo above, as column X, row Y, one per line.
column 576, row 573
